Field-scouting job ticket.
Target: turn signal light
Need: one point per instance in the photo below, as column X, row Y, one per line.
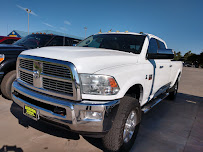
column 112, row 82
column 1, row 57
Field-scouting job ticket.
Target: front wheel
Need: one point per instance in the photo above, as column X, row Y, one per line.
column 7, row 83
column 125, row 127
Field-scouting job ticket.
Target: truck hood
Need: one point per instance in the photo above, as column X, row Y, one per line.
column 10, row 46
column 10, row 49
column 86, row 59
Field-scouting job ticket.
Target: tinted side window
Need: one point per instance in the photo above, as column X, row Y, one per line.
column 161, row 45
column 9, row 41
column 68, row 42
column 153, row 47
column 57, row 41
column 75, row 42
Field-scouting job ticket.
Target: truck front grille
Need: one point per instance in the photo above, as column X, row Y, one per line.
column 52, row 78
column 56, row 70
column 58, row 86
column 26, row 77
column 26, row 64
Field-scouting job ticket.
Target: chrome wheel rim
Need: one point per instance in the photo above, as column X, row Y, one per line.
column 130, row 125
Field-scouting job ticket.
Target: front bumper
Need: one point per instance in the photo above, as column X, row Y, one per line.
column 73, row 119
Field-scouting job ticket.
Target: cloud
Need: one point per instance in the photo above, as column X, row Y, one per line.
column 48, row 24
column 23, row 8
column 67, row 22
column 33, row 13
column 63, row 29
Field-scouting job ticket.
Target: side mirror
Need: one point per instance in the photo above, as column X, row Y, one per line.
column 161, row 54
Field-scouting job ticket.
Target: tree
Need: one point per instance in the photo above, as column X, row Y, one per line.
column 177, row 56
column 193, row 57
column 187, row 56
column 201, row 59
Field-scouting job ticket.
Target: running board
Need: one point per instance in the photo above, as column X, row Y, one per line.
column 154, row 102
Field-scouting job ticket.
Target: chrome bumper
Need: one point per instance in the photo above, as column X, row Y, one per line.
column 73, row 118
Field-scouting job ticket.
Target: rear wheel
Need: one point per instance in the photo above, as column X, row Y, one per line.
column 125, row 127
column 7, row 83
column 172, row 94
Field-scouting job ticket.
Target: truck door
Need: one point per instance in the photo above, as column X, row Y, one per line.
column 161, row 69
column 165, row 68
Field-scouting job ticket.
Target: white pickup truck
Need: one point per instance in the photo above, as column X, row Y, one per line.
column 99, row 88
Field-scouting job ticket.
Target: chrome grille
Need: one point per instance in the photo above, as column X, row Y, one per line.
column 26, row 77
column 58, row 86
column 56, row 70
column 26, row 64
column 49, row 76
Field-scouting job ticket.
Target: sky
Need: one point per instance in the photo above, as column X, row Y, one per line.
column 178, row 22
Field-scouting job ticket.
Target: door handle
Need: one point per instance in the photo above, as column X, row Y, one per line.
column 161, row 66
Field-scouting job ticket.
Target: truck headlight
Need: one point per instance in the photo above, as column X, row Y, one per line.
column 2, row 57
column 99, row 84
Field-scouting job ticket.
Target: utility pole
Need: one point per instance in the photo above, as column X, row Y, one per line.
column 85, row 31
column 64, row 36
column 28, row 11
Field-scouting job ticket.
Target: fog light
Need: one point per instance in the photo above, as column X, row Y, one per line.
column 91, row 115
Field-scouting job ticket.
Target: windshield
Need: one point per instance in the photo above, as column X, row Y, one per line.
column 121, row 42
column 34, row 41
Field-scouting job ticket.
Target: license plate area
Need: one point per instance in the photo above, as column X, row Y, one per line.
column 31, row 112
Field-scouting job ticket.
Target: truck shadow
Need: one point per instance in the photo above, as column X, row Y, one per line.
column 42, row 125
column 167, row 126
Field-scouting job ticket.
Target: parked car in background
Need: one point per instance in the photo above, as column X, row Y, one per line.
column 8, row 39
column 187, row 65
column 9, row 54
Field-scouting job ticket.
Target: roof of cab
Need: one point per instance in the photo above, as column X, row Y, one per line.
column 133, row 33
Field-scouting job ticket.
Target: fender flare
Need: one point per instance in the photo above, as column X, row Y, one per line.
column 178, row 75
column 129, row 85
column 8, row 65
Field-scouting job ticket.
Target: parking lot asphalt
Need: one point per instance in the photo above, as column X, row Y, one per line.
column 171, row 126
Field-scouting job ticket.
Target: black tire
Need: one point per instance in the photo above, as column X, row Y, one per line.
column 173, row 93
column 7, row 83
column 113, row 140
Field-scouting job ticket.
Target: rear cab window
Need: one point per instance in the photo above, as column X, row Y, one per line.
column 57, row 41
